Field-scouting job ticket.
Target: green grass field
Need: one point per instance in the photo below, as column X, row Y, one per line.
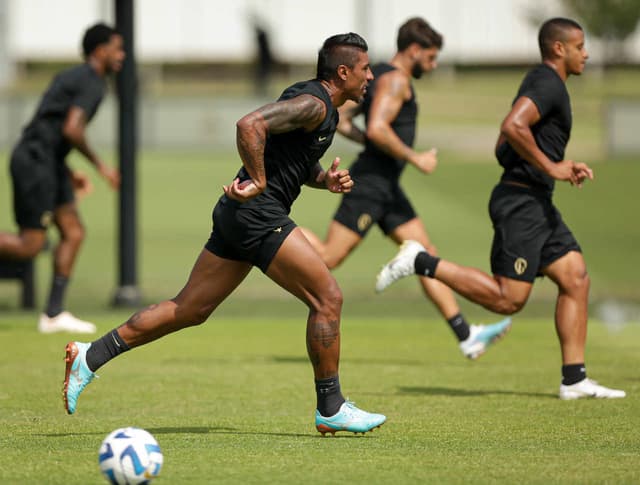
column 232, row 401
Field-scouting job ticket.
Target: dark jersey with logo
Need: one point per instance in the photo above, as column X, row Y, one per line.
column 374, row 166
column 545, row 88
column 78, row 86
column 289, row 157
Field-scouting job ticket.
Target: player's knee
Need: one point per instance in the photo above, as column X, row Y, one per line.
column 74, row 235
column 197, row 315
column 507, row 306
column 578, row 282
column 331, row 299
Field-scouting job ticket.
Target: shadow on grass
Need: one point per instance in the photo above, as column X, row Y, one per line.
column 452, row 392
column 285, row 359
column 204, row 430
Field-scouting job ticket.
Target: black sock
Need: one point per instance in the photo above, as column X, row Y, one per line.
column 425, row 264
column 104, row 349
column 573, row 373
column 56, row 295
column 329, row 396
column 459, row 326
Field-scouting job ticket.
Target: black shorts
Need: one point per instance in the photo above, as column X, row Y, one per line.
column 362, row 208
column 40, row 185
column 243, row 232
column 529, row 233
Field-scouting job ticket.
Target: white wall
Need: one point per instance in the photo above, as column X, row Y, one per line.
column 207, row 30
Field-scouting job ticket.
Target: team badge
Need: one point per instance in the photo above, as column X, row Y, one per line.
column 520, row 265
column 364, row 221
column 46, row 218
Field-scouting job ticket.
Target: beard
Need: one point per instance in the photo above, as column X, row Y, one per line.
column 417, row 71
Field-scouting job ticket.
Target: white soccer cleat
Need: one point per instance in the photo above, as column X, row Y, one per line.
column 64, row 322
column 588, row 388
column 482, row 336
column 402, row 265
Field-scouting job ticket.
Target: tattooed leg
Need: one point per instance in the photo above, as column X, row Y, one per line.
column 323, row 346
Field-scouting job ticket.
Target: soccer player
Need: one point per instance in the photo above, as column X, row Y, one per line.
column 43, row 184
column 530, row 237
column 280, row 145
column 390, row 111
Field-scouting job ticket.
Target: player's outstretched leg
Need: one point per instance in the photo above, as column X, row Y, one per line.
column 402, row 265
column 588, row 388
column 482, row 336
column 76, row 375
column 349, row 418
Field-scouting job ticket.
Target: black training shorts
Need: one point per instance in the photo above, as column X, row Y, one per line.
column 364, row 206
column 40, row 185
column 529, row 233
column 243, row 232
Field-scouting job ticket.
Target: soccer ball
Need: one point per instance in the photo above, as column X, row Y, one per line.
column 130, row 456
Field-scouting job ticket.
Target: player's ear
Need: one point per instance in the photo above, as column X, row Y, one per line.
column 559, row 48
column 343, row 72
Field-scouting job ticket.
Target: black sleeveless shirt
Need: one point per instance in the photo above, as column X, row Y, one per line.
column 289, row 157
column 374, row 165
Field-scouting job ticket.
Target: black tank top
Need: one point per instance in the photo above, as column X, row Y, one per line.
column 372, row 160
column 289, row 157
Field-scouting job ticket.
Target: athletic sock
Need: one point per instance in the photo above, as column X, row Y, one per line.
column 425, row 264
column 56, row 295
column 104, row 349
column 329, row 396
column 573, row 373
column 459, row 326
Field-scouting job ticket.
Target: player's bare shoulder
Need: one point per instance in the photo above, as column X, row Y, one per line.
column 395, row 83
column 303, row 111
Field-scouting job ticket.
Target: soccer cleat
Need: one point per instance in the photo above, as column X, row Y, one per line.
column 64, row 322
column 588, row 388
column 349, row 418
column 400, row 266
column 482, row 336
column 76, row 375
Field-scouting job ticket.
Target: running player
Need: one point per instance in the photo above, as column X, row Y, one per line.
column 280, row 145
column 390, row 110
column 43, row 184
column 530, row 237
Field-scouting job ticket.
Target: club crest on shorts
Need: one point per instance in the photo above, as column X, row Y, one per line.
column 46, row 218
column 364, row 221
column 520, row 265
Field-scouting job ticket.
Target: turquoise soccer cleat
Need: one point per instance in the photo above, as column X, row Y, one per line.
column 76, row 375
column 349, row 418
column 482, row 336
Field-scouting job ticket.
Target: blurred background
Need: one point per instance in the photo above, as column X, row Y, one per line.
column 202, row 64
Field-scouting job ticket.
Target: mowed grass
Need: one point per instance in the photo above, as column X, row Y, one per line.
column 232, row 402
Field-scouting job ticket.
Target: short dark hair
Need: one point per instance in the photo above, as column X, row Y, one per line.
column 553, row 30
column 418, row 30
column 96, row 35
column 336, row 50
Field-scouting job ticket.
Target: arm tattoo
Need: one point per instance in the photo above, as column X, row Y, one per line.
column 304, row 111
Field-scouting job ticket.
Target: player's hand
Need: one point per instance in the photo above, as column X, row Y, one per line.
column 110, row 174
column 338, row 181
column 82, row 185
column 581, row 172
column 573, row 172
column 241, row 191
column 426, row 162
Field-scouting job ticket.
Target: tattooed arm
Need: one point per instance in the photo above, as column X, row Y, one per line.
column 304, row 111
